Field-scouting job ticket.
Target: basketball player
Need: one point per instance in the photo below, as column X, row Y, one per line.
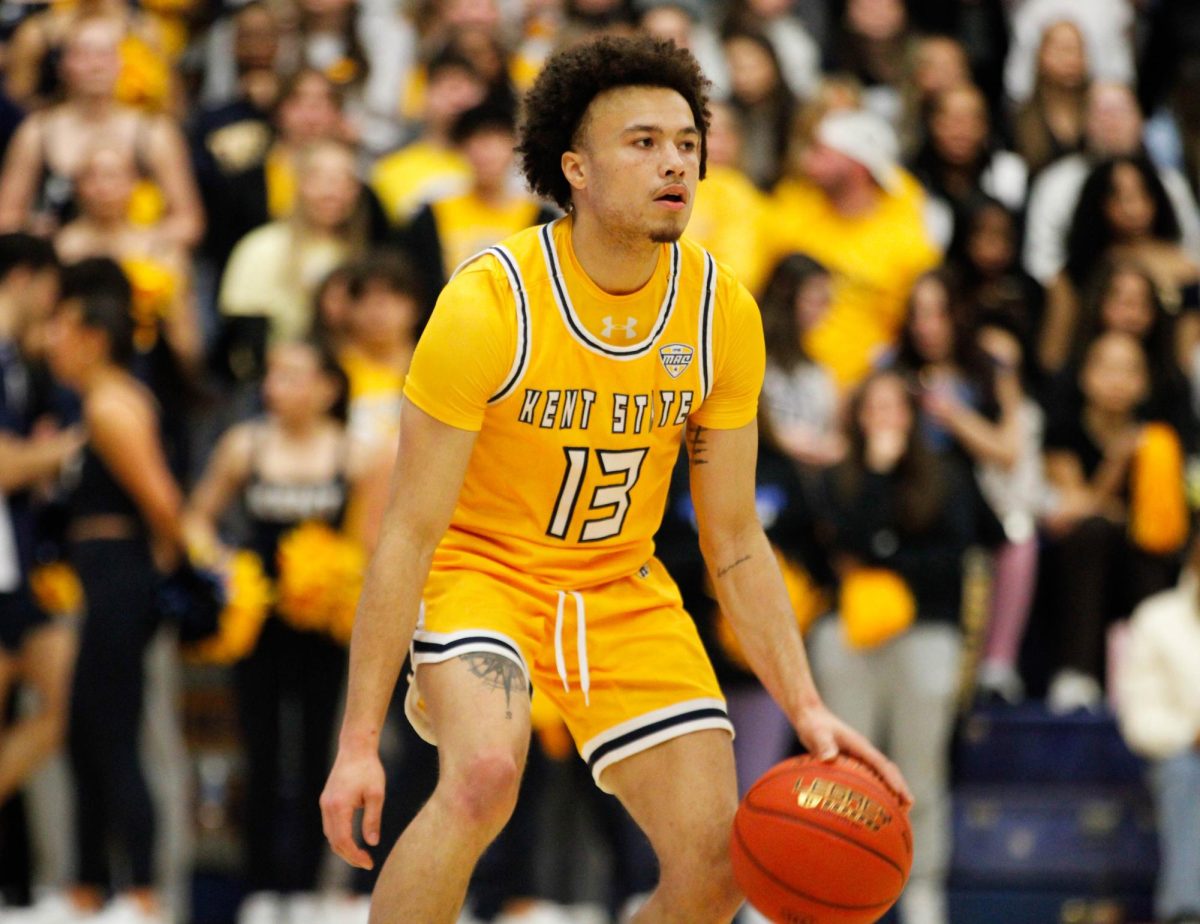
column 543, row 414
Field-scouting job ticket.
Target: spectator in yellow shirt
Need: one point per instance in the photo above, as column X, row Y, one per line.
column 861, row 216
column 381, row 333
column 729, row 212
column 451, row 230
column 431, row 167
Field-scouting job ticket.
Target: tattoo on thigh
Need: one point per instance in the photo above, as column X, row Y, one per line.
column 497, row 673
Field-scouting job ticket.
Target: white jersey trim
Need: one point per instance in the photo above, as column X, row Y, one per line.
column 576, row 328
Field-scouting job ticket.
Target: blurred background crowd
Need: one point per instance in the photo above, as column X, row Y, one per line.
column 973, row 231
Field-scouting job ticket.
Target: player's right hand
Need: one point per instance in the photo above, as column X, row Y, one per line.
column 356, row 782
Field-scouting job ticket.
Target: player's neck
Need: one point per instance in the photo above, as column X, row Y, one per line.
column 615, row 263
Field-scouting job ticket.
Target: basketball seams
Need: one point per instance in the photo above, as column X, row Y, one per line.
column 775, row 813
column 791, row 889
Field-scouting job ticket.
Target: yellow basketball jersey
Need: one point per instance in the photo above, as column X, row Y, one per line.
column 582, row 427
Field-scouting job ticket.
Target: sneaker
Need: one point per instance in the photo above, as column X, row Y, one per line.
column 923, row 902
column 1000, row 681
column 1073, row 691
column 125, row 910
column 305, row 908
column 587, row 914
column 53, row 908
column 536, row 913
column 631, row 907
column 347, row 909
column 261, row 908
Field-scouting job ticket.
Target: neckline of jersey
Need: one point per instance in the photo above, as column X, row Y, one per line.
column 575, row 324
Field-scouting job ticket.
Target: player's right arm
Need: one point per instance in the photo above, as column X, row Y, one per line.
column 462, row 358
column 425, row 484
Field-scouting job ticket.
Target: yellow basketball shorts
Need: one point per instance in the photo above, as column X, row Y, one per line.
column 622, row 663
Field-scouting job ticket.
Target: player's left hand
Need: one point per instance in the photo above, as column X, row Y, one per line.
column 825, row 736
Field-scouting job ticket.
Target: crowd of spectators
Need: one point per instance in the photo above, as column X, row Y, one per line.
column 973, row 231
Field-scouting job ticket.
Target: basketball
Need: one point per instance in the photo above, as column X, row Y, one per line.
column 821, row 843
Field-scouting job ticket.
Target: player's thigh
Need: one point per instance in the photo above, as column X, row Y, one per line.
column 478, row 704
column 47, row 661
column 683, row 795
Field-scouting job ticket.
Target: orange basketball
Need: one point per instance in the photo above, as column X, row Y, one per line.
column 821, row 843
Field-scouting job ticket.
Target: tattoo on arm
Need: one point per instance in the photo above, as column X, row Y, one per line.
column 697, row 445
column 721, row 572
column 497, row 672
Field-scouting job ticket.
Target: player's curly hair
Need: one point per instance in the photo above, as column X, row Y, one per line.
column 555, row 105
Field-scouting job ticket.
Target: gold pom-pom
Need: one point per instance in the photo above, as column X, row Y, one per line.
column 248, row 602
column 144, row 79
column 320, row 577
column 876, row 606
column 56, row 589
column 1158, row 514
column 147, row 204
column 154, row 290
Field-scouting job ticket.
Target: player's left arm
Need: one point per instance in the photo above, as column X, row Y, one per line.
column 722, row 445
column 751, row 592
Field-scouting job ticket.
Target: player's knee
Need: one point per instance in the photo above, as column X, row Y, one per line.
column 483, row 791
column 700, row 875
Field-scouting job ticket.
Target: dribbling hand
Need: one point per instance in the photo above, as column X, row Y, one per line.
column 356, row 782
column 825, row 736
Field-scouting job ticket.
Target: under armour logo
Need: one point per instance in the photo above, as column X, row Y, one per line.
column 630, row 327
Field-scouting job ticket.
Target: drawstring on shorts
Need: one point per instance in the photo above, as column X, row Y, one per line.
column 560, row 660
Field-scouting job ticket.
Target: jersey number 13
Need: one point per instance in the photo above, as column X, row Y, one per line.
column 611, row 500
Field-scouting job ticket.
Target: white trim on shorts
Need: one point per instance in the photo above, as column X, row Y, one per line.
column 645, row 731
column 434, row 647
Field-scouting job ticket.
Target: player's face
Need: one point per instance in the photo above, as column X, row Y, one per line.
column 637, row 162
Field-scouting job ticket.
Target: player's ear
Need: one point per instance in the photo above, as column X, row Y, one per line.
column 574, row 169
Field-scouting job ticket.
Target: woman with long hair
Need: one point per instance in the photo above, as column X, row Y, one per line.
column 960, row 159
column 897, row 521
column 159, row 269
column 123, row 530
column 294, row 465
column 800, row 398
column 973, row 406
column 1051, row 123
column 274, row 270
column 763, row 102
column 37, row 185
column 985, row 257
column 1108, row 550
column 1123, row 213
column 939, row 352
column 1123, row 298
